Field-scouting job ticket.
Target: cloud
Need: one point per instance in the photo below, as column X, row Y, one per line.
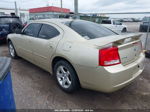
column 86, row 6
column 117, row 6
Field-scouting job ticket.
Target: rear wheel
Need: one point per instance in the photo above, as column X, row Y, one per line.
column 12, row 50
column 66, row 76
column 124, row 30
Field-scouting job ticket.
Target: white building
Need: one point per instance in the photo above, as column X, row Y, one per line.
column 22, row 13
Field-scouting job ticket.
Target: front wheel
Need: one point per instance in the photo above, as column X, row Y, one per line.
column 66, row 76
column 12, row 51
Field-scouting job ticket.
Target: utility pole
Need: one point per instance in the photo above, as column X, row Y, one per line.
column 61, row 4
column 47, row 4
column 76, row 8
column 147, row 32
column 16, row 10
column 146, row 41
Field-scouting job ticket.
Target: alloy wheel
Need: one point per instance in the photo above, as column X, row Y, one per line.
column 63, row 77
column 11, row 50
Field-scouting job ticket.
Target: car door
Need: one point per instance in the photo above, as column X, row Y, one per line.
column 45, row 45
column 108, row 24
column 118, row 26
column 26, row 40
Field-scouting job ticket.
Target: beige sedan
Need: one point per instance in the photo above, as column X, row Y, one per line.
column 80, row 53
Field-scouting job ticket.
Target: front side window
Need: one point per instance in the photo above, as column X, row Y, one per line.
column 32, row 29
column 48, row 32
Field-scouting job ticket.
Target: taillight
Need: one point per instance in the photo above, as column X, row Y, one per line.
column 109, row 56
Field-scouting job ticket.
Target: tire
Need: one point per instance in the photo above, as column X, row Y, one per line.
column 124, row 30
column 12, row 50
column 147, row 54
column 66, row 76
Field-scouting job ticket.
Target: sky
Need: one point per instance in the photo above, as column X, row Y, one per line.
column 85, row 6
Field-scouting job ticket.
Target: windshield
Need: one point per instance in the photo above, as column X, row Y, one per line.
column 89, row 30
column 9, row 20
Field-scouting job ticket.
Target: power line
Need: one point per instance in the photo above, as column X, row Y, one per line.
column 22, row 1
column 5, row 1
column 25, row 1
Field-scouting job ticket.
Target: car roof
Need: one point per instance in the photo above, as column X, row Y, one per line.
column 53, row 20
column 9, row 17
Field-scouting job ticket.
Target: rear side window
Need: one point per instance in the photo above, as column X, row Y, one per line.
column 106, row 21
column 32, row 29
column 89, row 30
column 48, row 32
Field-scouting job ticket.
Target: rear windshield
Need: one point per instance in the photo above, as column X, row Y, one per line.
column 89, row 30
column 9, row 20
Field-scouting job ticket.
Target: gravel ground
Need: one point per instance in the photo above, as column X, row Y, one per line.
column 37, row 89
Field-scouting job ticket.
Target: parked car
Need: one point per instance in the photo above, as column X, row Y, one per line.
column 8, row 24
column 136, row 20
column 127, row 20
column 144, row 25
column 80, row 53
column 114, row 25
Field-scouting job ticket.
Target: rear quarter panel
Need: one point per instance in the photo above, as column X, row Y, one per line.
column 81, row 56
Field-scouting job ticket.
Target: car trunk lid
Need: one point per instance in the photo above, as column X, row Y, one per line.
column 129, row 46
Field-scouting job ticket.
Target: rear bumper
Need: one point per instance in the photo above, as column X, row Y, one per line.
column 2, row 39
column 110, row 79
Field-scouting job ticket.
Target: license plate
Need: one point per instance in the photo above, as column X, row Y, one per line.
column 138, row 46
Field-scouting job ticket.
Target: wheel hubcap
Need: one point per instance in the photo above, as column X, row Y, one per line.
column 12, row 51
column 63, row 76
